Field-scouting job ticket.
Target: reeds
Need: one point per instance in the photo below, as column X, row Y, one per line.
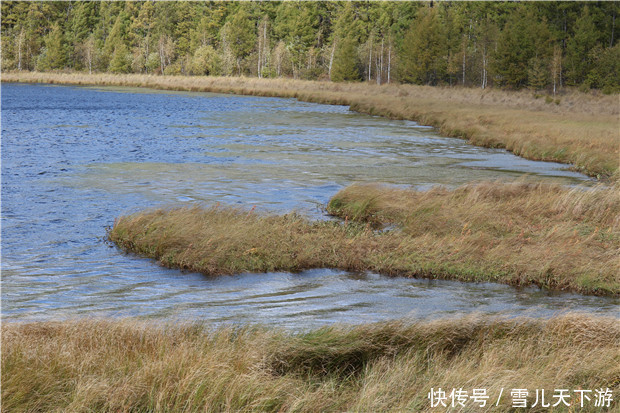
column 581, row 130
column 128, row 365
column 515, row 233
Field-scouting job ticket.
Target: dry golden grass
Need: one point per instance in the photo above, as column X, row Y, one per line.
column 127, row 365
column 536, row 233
column 583, row 129
column 514, row 233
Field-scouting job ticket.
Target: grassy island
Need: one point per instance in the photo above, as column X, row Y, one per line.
column 514, row 233
column 576, row 128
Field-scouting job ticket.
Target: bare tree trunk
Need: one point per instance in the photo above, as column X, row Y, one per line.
column 369, row 59
column 265, row 47
column 162, row 58
column 89, row 49
column 262, row 46
column 20, row 41
column 560, row 73
column 89, row 58
column 380, row 71
column 484, row 66
column 259, row 56
column 379, row 64
column 331, row 60
column 389, row 61
column 556, row 64
column 613, row 26
column 464, row 56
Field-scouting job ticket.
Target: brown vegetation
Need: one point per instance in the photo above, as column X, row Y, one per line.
column 125, row 365
column 577, row 128
column 514, row 233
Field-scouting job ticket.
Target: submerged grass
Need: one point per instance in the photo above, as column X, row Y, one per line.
column 582, row 130
column 128, row 365
column 513, row 233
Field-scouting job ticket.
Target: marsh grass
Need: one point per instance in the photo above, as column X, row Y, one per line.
column 514, row 233
column 536, row 233
column 581, row 130
column 129, row 365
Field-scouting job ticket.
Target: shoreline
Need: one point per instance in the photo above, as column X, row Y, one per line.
column 581, row 131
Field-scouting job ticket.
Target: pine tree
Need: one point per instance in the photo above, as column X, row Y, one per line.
column 421, row 56
column 578, row 47
column 346, row 65
column 55, row 53
column 240, row 38
column 524, row 38
column 120, row 62
column 605, row 73
column 538, row 75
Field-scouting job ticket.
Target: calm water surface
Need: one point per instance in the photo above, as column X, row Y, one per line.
column 74, row 158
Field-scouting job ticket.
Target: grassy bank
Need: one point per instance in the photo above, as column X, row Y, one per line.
column 122, row 365
column 575, row 128
column 514, row 233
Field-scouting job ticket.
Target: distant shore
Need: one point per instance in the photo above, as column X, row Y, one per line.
column 575, row 128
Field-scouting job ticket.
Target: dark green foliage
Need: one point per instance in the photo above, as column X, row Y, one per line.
column 239, row 36
column 120, row 62
column 538, row 74
column 54, row 54
column 522, row 48
column 578, row 58
column 345, row 62
column 421, row 57
column 505, row 44
column 606, row 71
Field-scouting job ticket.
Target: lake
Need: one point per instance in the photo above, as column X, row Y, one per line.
column 74, row 158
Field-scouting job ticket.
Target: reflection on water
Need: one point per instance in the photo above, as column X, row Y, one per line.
column 74, row 158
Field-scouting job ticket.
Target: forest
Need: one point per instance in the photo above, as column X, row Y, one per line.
column 510, row 45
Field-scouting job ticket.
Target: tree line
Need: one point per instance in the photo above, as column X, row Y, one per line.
column 538, row 45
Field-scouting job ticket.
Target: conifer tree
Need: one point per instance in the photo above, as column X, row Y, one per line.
column 345, row 67
column 239, row 32
column 120, row 62
column 578, row 58
column 421, row 57
column 523, row 45
column 54, row 55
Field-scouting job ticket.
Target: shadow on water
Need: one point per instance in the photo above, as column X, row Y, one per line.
column 74, row 158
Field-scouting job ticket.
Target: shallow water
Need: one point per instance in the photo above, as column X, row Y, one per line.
column 74, row 158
